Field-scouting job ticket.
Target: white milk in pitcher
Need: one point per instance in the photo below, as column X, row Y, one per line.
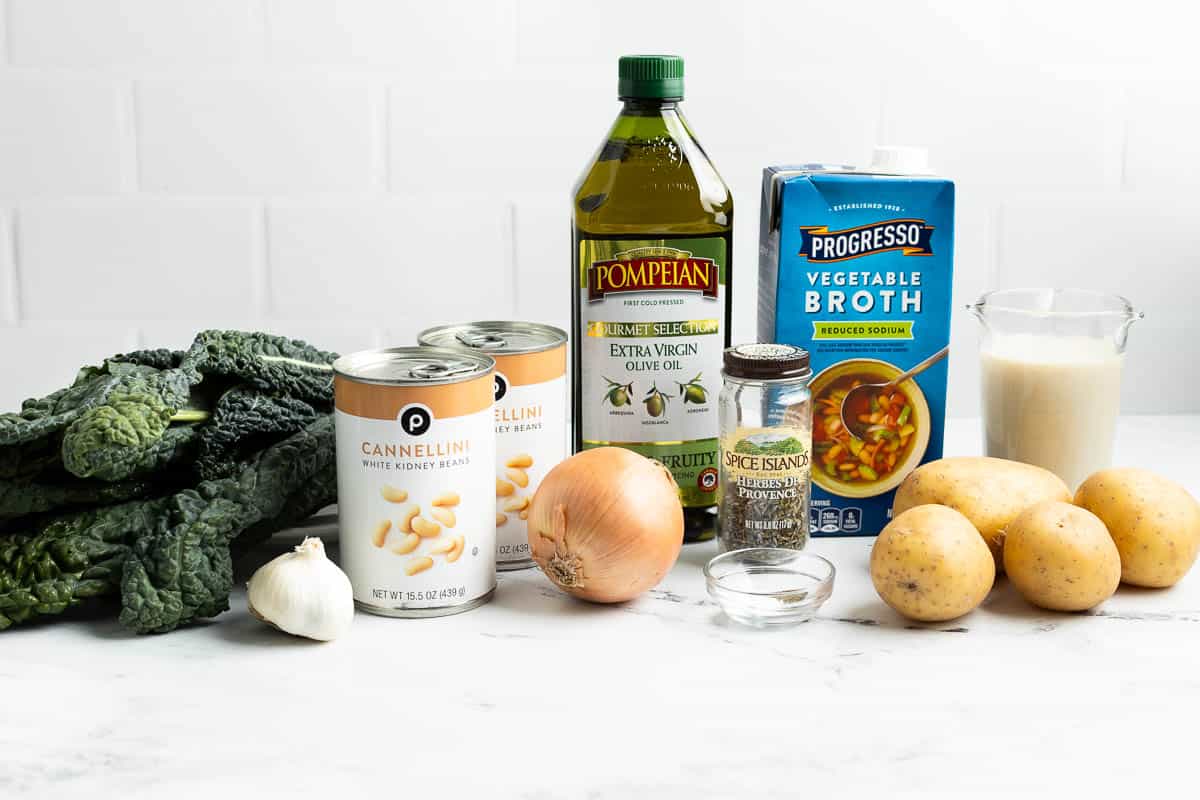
column 1052, row 401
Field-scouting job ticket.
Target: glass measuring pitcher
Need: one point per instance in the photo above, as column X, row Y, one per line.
column 1051, row 376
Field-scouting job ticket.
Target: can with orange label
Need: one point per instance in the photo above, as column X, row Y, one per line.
column 530, row 412
column 415, row 456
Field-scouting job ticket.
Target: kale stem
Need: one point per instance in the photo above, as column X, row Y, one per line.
column 190, row 415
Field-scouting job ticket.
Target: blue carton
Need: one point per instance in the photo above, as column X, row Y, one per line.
column 856, row 267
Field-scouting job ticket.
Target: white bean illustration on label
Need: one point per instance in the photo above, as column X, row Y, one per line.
column 393, row 494
column 379, row 537
column 419, row 564
column 523, row 461
column 410, row 542
column 404, row 524
column 424, row 528
column 517, row 504
column 446, row 499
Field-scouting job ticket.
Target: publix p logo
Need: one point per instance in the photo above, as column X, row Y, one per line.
column 415, row 419
column 500, row 385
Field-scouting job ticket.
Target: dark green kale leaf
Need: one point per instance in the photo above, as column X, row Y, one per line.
column 68, row 560
column 159, row 359
column 100, row 441
column 183, row 571
column 244, row 421
column 54, row 412
column 167, row 557
column 21, row 497
column 176, row 448
column 28, row 459
column 93, row 387
column 286, row 366
column 319, row 492
column 128, row 435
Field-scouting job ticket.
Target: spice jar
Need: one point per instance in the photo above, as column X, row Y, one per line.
column 766, row 443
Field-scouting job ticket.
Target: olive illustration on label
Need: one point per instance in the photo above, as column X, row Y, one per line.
column 693, row 391
column 618, row 393
column 656, row 402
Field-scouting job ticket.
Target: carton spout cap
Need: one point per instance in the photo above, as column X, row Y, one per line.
column 900, row 160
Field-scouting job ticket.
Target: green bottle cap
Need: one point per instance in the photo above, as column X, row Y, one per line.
column 650, row 77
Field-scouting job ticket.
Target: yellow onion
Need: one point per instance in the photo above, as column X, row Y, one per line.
column 606, row 524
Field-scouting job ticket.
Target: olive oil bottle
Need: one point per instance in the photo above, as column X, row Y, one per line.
column 650, row 289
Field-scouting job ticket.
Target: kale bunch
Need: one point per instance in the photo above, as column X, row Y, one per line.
column 138, row 479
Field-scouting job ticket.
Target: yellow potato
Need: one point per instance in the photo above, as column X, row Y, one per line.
column 1060, row 557
column 930, row 564
column 1154, row 522
column 990, row 492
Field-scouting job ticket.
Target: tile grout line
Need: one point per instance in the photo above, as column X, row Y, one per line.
column 513, row 260
column 381, row 122
column 7, row 12
column 1123, row 141
column 131, row 162
column 261, row 263
column 996, row 220
column 264, row 18
column 385, row 141
column 13, row 309
column 881, row 122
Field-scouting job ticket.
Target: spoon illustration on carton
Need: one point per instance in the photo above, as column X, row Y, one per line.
column 863, row 392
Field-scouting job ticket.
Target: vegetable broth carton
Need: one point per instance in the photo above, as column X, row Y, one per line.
column 855, row 265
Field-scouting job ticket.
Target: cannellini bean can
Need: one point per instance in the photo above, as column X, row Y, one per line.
column 415, row 456
column 530, row 414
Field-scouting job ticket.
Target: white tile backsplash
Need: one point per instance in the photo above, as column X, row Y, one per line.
column 133, row 259
column 430, row 39
column 59, row 135
column 134, row 33
column 350, row 171
column 255, row 136
column 542, row 227
column 573, row 37
column 1162, row 134
column 399, row 265
column 1014, row 130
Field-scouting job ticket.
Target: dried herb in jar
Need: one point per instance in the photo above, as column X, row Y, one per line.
column 766, row 443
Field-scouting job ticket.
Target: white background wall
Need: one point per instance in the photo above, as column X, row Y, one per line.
column 350, row 171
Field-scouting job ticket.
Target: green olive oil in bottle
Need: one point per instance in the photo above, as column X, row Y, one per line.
column 650, row 289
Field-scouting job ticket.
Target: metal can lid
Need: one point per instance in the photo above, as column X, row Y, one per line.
column 504, row 337
column 408, row 366
column 767, row 362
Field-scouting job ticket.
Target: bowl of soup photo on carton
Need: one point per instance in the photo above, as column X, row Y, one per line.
column 896, row 422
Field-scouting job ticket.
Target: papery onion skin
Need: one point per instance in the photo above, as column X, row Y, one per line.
column 606, row 524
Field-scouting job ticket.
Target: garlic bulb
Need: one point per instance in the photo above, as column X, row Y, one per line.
column 303, row 593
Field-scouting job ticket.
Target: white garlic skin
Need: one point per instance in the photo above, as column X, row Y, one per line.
column 303, row 593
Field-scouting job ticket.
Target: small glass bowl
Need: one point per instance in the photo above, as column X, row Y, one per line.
column 767, row 586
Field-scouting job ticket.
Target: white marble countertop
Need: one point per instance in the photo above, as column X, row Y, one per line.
column 539, row 696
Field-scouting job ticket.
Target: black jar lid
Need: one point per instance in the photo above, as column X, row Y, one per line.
column 767, row 362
